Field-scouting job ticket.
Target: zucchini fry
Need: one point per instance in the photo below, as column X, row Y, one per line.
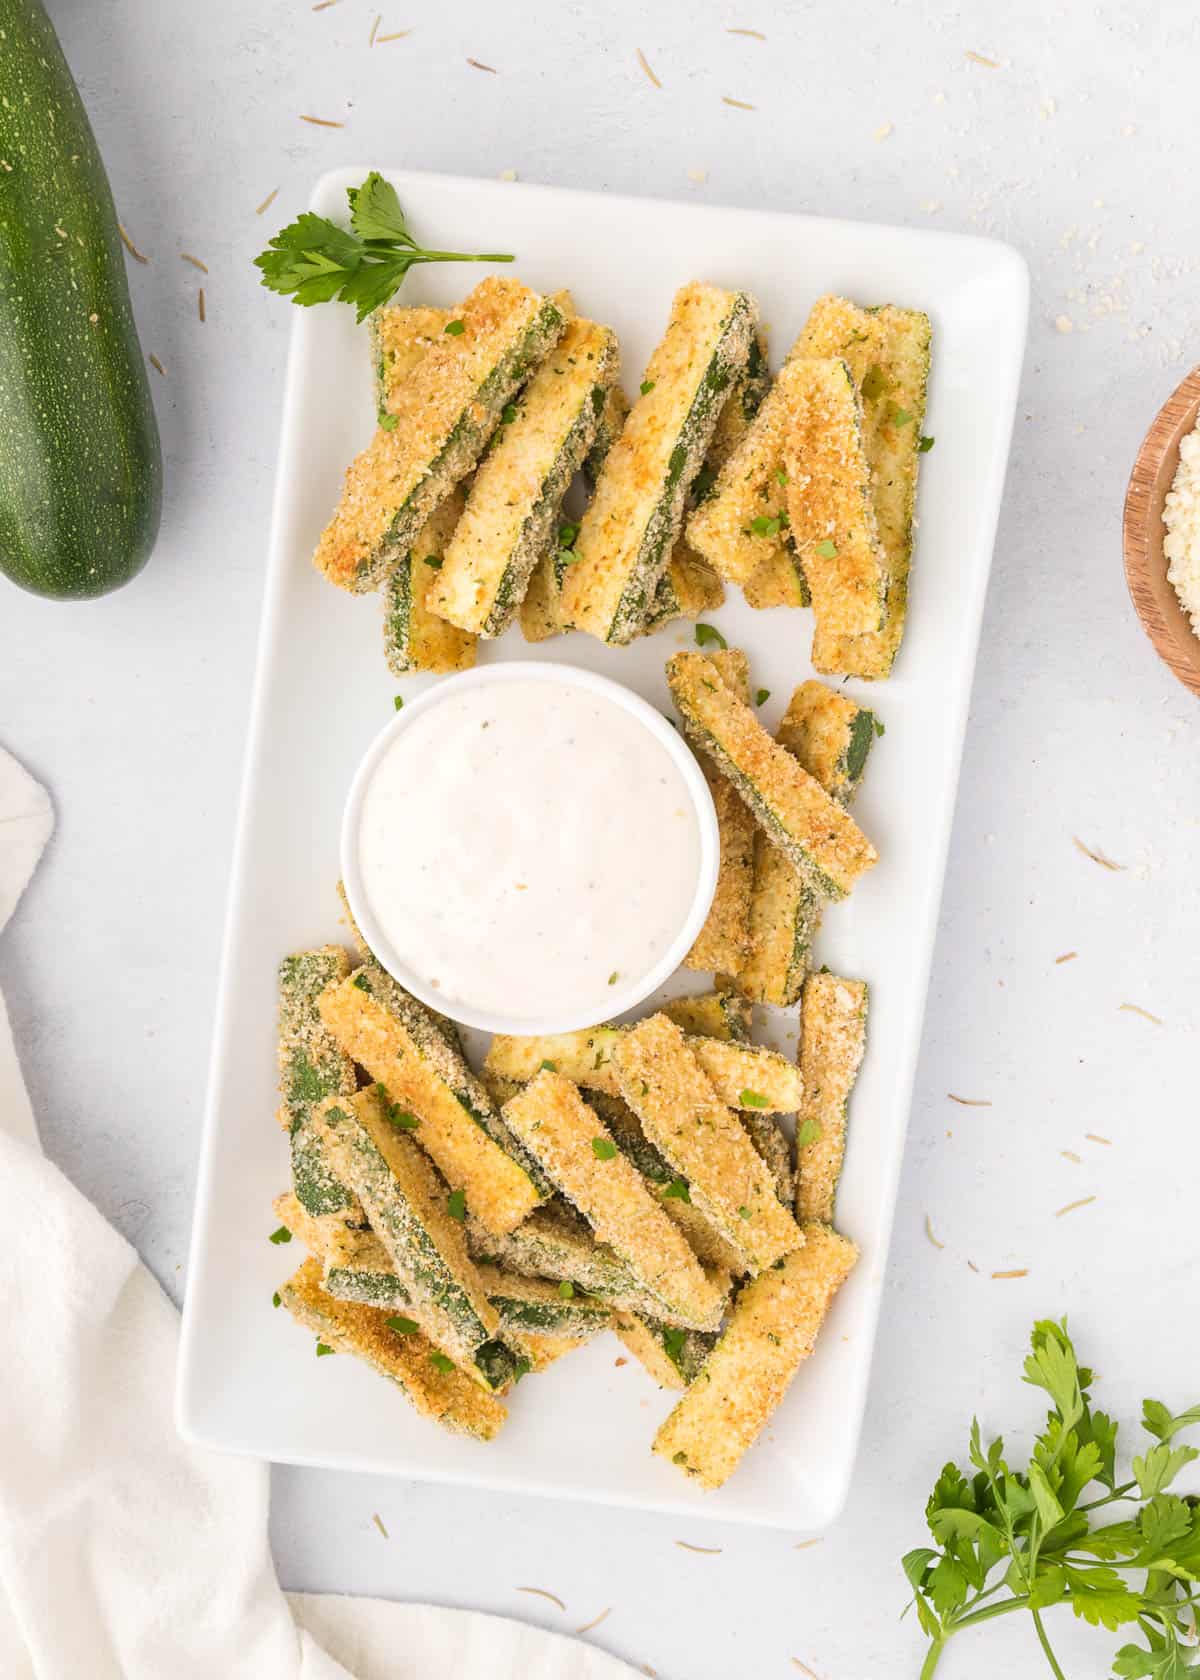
column 888, row 352
column 400, row 334
column 743, row 1075
column 414, row 637
column 831, row 736
column 833, row 1037
column 738, row 411
column 792, row 808
column 665, row 1085
column 409, row 1208
column 512, row 511
column 742, row 524
column 629, row 529
column 542, row 1351
column 722, row 943
column 535, row 1306
column 722, row 1014
column 673, row 1357
column 448, row 1397
column 687, row 588
column 441, row 417
column 612, row 418
column 771, row 1332
column 402, row 1046
column 312, row 1066
column 314, row 1232
column 578, row 1153
column 830, row 507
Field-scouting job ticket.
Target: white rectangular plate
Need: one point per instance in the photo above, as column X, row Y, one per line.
column 249, row 1381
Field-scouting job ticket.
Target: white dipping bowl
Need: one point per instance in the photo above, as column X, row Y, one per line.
column 625, row 995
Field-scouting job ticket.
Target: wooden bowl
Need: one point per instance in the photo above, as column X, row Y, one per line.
column 1153, row 595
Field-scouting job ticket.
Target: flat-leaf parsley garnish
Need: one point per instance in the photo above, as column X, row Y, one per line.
column 603, row 1148
column 707, row 635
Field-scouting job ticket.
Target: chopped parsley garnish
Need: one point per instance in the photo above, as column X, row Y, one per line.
column 900, row 416
column 456, row 1204
column 566, row 1289
column 677, row 1191
column 361, row 981
column 322, row 1349
column 808, row 1131
column 508, row 414
column 880, row 726
column 548, row 1067
column 434, row 562
column 401, row 1118
column 752, row 1099
column 603, row 1148
column 614, row 977
column 455, row 328
column 567, row 535
column 647, row 386
column 282, row 1235
column 277, row 1299
column 397, row 702
column 743, row 1213
column 387, row 422
column 762, row 696
column 679, row 1458
column 707, row 635
column 440, row 1362
column 874, row 383
column 925, row 445
column 673, row 1340
column 403, row 1326
column 827, row 549
column 767, row 525
column 781, row 476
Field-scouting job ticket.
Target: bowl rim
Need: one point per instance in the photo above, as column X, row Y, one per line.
column 552, row 673
column 1153, row 595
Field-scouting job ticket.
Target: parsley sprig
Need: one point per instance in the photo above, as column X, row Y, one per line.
column 1034, row 1532
column 313, row 259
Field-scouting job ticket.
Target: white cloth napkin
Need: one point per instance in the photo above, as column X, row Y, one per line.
column 124, row 1553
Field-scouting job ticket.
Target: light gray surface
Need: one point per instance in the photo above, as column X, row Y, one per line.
column 1078, row 149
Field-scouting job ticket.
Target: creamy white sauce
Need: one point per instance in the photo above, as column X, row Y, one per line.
column 522, row 843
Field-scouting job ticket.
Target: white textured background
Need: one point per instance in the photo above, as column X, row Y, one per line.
column 1080, row 149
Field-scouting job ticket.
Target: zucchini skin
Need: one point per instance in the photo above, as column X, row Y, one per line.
column 81, row 468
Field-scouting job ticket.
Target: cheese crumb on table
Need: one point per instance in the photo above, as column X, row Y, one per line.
column 1181, row 516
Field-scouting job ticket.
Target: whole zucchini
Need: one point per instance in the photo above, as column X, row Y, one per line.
column 80, row 463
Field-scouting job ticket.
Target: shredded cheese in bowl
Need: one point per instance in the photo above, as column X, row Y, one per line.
column 1181, row 516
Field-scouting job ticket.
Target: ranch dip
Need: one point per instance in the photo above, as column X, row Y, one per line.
column 528, row 849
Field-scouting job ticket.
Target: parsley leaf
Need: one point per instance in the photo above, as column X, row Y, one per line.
column 603, row 1148
column 752, row 1099
column 282, row 1235
column 925, row 445
column 678, row 1190
column 761, row 697
column 707, row 635
column 440, row 1362
column 323, row 1348
column 313, row 260
column 403, row 1326
column 827, row 549
column 456, row 1205
column 647, row 386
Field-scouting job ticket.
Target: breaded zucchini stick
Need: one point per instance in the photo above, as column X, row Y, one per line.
column 738, row 411
column 833, row 1037
column 830, row 507
column 791, row 807
column 687, row 588
column 673, row 1357
column 410, row 1209
column 627, row 534
column 743, row 1075
column 612, row 418
column 722, row 943
column 512, row 512
column 578, row 1153
column 400, row 334
column 664, row 1084
column 312, row 1066
column 536, row 1306
column 771, row 1332
column 414, row 637
column 830, row 735
column 441, row 417
column 543, row 1351
column 403, row 1047
column 448, row 1397
column 887, row 350
column 743, row 522
column 314, row 1232
column 722, row 1014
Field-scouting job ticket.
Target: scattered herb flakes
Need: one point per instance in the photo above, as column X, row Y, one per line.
column 566, row 1289
column 978, row 58
column 603, row 1148
column 743, row 1213
column 396, row 35
column 808, row 1131
column 879, row 727
column 926, row 444
column 1016, row 1272
column 267, row 202
column 441, row 1362
column 899, row 416
column 803, row 1545
column 710, row 1551
column 1071, row 1206
column 930, row 1235
column 804, row 1668
column 403, row 1326
column 970, row 1102
column 374, row 29
column 455, row 328
column 540, row 1592
column 761, row 697
column 490, row 68
column 650, row 76
column 397, row 702
column 679, row 1190
column 282, row 1235
column 129, row 245
column 754, row 34
column 1136, row 1009
column 1096, row 857
column 277, row 1299
column 200, row 304
column 187, row 257
column 323, row 1348
column 322, row 122
column 324, row 5
column 1095, row 1137
column 362, row 983
column 647, row 386
column 827, row 549
column 378, row 1521
column 752, row 1099
column 595, row 1622
column 1070, row 1155
column 456, row 1205
column 548, row 1067
column 738, row 104
column 707, row 635
column 1067, row 956
column 874, row 383
column 156, row 364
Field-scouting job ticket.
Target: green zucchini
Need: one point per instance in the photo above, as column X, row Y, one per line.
column 414, row 637
column 311, row 1068
column 80, row 466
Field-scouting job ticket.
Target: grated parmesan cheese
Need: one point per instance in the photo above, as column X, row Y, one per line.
column 1181, row 516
